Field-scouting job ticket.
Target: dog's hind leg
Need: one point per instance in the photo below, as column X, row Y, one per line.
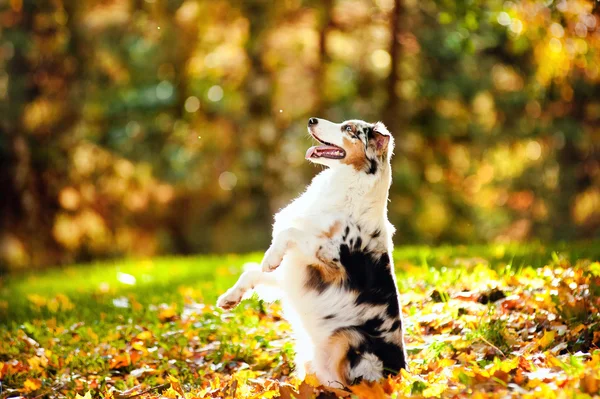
column 247, row 281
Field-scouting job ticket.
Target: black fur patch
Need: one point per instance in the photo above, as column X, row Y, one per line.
column 314, row 279
column 396, row 325
column 392, row 356
column 371, row 326
column 372, row 167
column 370, row 275
column 358, row 244
column 346, row 232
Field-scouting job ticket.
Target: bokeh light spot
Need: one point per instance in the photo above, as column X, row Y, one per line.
column 215, row 93
column 69, row 198
column 504, row 19
column 227, row 181
column 555, row 45
column 516, row 26
column 133, row 128
column 381, row 59
column 533, row 150
column 164, row 90
column 557, row 30
column 192, row 104
column 581, row 29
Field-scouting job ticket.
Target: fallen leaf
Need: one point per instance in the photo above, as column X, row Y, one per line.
column 176, row 385
column 546, row 339
column 366, row 390
column 31, row 385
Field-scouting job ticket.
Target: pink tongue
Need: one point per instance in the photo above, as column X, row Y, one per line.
column 310, row 152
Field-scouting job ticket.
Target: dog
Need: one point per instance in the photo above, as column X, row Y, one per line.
column 331, row 260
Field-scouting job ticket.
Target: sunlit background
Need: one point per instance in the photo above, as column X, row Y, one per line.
column 132, row 127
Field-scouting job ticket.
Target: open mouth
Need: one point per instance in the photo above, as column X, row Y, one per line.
column 327, row 150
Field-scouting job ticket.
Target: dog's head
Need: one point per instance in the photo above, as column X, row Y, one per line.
column 365, row 146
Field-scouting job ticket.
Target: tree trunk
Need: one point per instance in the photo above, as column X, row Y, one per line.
column 391, row 112
column 326, row 24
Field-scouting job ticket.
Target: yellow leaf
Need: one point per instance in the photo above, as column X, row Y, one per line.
column 32, row 384
column 442, row 364
column 547, row 339
column 170, row 393
column 138, row 345
column 176, row 385
column 37, row 300
column 37, row 363
column 88, row 395
column 312, row 380
column 434, row 390
column 508, row 365
column 167, row 314
column 578, row 329
column 144, row 335
column 53, row 305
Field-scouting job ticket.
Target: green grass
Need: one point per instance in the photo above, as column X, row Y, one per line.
column 123, row 323
column 157, row 279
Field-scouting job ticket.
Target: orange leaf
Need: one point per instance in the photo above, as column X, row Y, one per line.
column 32, row 384
column 590, row 384
column 305, row 391
column 339, row 393
column 120, row 361
column 369, row 391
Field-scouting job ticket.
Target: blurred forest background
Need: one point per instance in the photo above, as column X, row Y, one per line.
column 142, row 127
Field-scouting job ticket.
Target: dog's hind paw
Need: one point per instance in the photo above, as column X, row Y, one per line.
column 229, row 300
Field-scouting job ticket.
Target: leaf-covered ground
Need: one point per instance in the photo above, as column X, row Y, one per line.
column 490, row 321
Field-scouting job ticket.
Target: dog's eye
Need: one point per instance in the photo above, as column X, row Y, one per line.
column 349, row 128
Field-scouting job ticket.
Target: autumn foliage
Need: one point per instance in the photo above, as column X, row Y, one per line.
column 148, row 127
column 477, row 326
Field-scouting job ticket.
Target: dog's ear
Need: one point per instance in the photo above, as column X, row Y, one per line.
column 382, row 138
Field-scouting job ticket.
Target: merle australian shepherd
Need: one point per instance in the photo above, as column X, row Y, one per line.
column 330, row 260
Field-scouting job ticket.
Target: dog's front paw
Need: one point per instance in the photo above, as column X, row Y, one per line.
column 271, row 261
column 230, row 299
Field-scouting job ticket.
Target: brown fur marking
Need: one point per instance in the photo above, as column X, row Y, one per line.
column 314, row 281
column 321, row 276
column 338, row 345
column 332, row 230
column 355, row 154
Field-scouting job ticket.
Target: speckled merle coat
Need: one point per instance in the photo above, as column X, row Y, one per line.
column 330, row 260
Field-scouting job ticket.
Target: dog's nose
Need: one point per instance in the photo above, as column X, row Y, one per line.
column 312, row 121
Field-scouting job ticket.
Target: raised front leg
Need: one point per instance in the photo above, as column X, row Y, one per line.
column 247, row 281
column 281, row 243
column 316, row 248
